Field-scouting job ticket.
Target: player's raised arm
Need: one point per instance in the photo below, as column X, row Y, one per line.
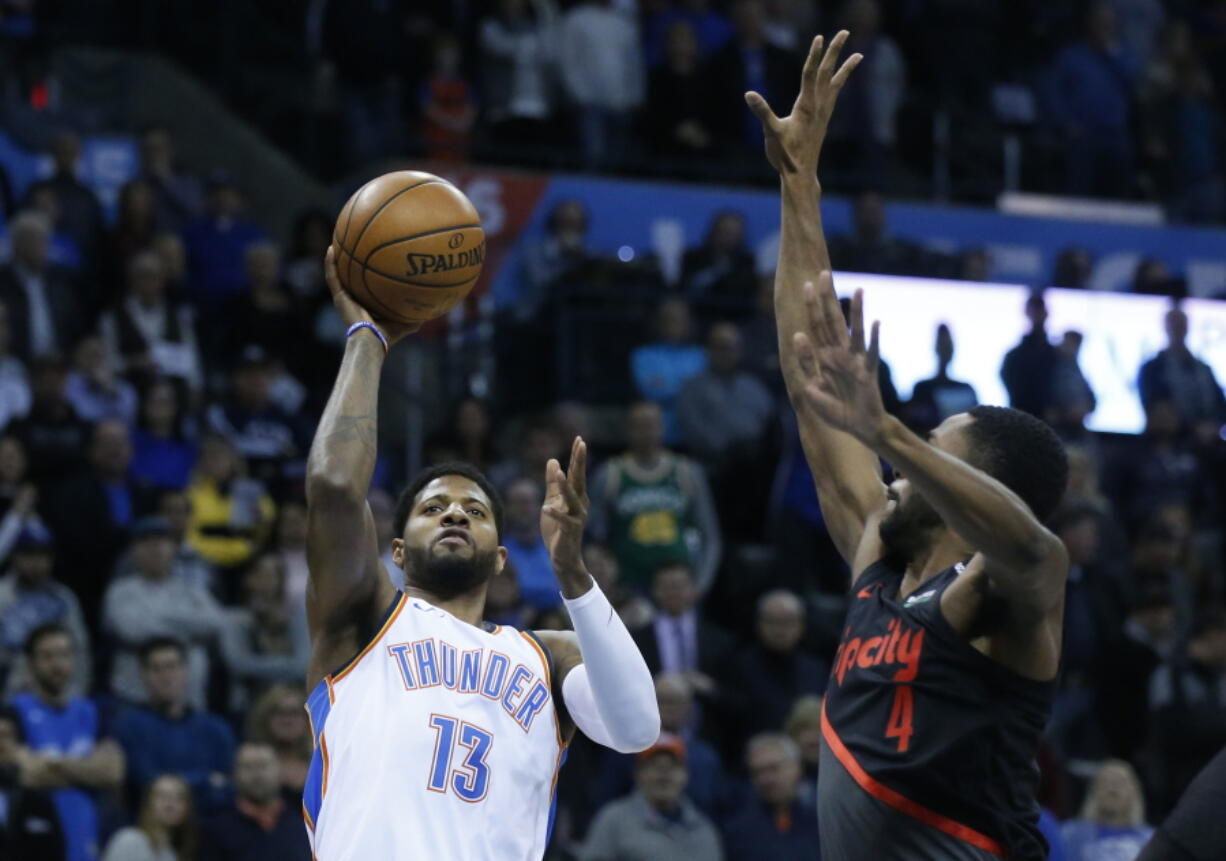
column 348, row 588
column 847, row 475
column 1024, row 562
column 602, row 677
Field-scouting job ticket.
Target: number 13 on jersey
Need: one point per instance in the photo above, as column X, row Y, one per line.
column 470, row 780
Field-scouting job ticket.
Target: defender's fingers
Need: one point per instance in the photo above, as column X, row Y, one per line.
column 806, row 356
column 845, row 70
column 832, row 309
column 874, row 347
column 761, row 110
column 809, row 73
column 826, row 69
column 578, row 468
column 857, row 320
column 815, row 310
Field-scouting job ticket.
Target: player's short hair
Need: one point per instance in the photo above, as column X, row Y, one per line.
column 1022, row 453
column 42, row 632
column 404, row 505
column 156, row 644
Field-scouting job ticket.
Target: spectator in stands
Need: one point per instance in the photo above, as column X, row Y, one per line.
column 650, row 506
column 69, row 754
column 1112, row 820
column 262, row 640
column 14, row 384
column 1090, row 94
column 152, row 603
column 30, row 827
column 1177, row 375
column 1029, row 368
column 748, row 61
column 538, row 442
column 635, row 610
column 779, row 822
column 448, row 106
column 231, row 513
column 290, row 545
column 722, row 268
column 517, row 56
column 91, row 513
column 278, row 720
column 772, row 673
column 311, row 237
column 804, row 727
column 266, row 314
column 759, row 338
column 1153, row 278
column 867, row 118
column 30, row 598
column 148, row 333
column 17, row 496
column 269, row 438
column 562, row 252
column 661, row 368
column 679, row 640
column 178, row 197
column 163, row 453
column 136, row 225
column 189, row 566
column 657, row 821
column 521, row 535
column 165, row 829
column 601, row 64
column 724, row 412
column 709, row 29
column 54, row 437
column 871, row 248
column 217, row 246
column 93, row 388
column 940, row 396
column 170, row 736
column 1157, row 468
column 259, row 824
column 680, row 117
column 45, row 315
column 1072, row 399
column 80, row 214
column 1073, row 268
column 675, row 698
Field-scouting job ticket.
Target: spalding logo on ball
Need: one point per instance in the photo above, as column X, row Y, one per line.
column 409, row 246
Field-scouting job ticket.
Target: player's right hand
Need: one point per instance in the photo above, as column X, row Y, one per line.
column 794, row 142
column 352, row 312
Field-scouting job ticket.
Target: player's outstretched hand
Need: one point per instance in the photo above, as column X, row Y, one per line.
column 351, row 312
column 564, row 514
column 794, row 142
column 839, row 372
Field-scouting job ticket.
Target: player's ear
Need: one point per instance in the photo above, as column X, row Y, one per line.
column 501, row 562
column 398, row 552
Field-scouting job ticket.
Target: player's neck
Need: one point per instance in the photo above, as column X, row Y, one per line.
column 468, row 607
column 945, row 550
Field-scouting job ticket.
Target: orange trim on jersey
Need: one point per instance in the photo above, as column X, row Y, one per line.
column 306, row 817
column 900, row 802
column 557, row 724
column 311, row 725
column 331, row 693
column 345, row 670
column 323, row 749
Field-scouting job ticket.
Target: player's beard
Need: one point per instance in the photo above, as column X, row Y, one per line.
column 907, row 530
column 447, row 575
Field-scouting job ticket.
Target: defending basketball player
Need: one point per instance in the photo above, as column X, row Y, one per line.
column 438, row 736
column 945, row 675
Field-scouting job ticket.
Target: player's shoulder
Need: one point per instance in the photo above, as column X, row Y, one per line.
column 563, row 650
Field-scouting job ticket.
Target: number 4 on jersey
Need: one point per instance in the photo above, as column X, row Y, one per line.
column 471, row 779
column 901, row 715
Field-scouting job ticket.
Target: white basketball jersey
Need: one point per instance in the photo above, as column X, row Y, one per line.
column 439, row 740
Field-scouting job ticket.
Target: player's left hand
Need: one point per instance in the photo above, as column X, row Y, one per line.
column 839, row 372
column 564, row 514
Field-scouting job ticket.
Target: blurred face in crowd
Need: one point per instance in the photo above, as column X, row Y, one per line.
column 523, row 507
column 945, row 346
column 808, row 738
column 173, row 254
column 749, row 20
column 51, row 663
column 728, row 233
column 724, row 349
column 161, row 408
column 176, row 510
column 570, row 224
column 1209, row 647
column 218, row 459
column 1176, row 327
column 645, row 428
column 147, row 278
column 33, row 565
column 257, row 773
column 253, row 384
column 91, row 358
column 1080, row 538
column 12, row 461
column 153, row 556
column 774, row 769
column 602, row 565
column 1101, row 24
column 168, row 801
column 10, row 741
column 263, row 265
column 67, row 151
column 540, row 443
column 676, row 703
column 136, row 203
column 682, row 48
column 472, row 421
column 47, row 383
column 264, row 583
column 157, row 151
column 224, row 201
column 780, row 622
column 31, row 238
column 111, row 450
column 673, row 321
column 1115, row 794
column 673, row 590
column 165, row 676
column 46, row 201
column 287, row 722
column 661, row 778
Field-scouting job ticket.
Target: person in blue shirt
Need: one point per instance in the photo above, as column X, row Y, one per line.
column 660, row 368
column 526, row 549
column 779, row 820
column 217, row 246
column 167, row 736
column 1112, row 822
column 68, row 754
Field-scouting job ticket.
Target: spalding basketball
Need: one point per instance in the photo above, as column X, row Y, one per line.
column 409, row 246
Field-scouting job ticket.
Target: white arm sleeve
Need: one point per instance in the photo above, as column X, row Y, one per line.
column 610, row 696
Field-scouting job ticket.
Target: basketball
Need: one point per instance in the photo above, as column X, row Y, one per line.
column 409, row 246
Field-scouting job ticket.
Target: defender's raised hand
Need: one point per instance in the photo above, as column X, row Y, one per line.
column 794, row 142
column 839, row 371
column 564, row 516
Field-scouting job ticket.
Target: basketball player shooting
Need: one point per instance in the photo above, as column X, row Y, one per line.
column 438, row 736
column 944, row 678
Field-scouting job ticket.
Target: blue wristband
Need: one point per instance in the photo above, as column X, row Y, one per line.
column 366, row 324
